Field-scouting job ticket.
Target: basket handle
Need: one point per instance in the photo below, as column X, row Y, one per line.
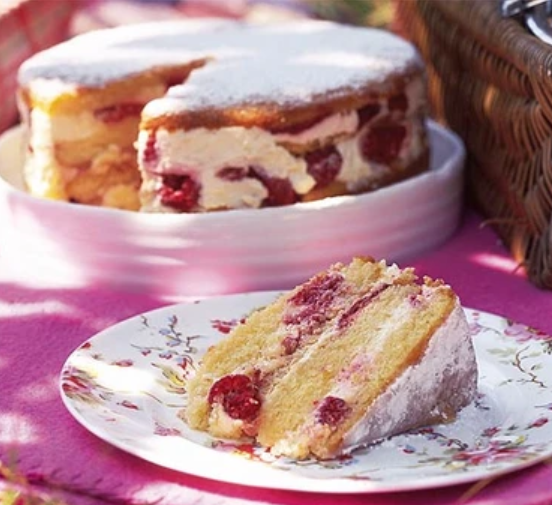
column 535, row 13
column 512, row 8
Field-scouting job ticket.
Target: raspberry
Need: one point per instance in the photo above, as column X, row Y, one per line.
column 316, row 288
column 150, row 156
column 232, row 173
column 280, row 191
column 238, row 395
column 382, row 144
column 309, row 315
column 290, row 344
column 173, row 181
column 115, row 113
column 313, row 301
column 332, row 411
column 324, row 165
column 367, row 112
column 180, row 192
column 398, row 102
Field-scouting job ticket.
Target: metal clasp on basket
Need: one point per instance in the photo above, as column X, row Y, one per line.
column 514, row 7
column 536, row 14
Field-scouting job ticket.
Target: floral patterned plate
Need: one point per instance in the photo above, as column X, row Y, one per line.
column 127, row 385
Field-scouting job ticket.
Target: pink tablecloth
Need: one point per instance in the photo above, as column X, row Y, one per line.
column 40, row 441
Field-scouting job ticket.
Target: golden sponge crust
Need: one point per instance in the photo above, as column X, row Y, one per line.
column 278, row 115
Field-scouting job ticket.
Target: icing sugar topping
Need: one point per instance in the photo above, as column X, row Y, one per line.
column 448, row 370
column 290, row 62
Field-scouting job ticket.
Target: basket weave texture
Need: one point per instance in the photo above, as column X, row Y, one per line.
column 26, row 27
column 490, row 80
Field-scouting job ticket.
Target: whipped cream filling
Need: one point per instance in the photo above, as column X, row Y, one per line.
column 40, row 164
column 66, row 127
column 41, row 131
column 40, row 182
column 202, row 153
column 223, row 425
column 49, row 129
column 356, row 171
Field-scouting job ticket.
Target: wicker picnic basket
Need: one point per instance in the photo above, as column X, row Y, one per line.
column 490, row 80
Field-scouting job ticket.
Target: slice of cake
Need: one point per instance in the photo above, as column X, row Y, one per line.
column 358, row 353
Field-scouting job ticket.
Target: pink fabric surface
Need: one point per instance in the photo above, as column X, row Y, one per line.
column 40, row 327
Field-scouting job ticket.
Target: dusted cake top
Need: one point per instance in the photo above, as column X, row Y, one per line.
column 285, row 63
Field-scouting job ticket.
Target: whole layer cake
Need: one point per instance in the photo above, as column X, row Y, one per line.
column 356, row 354
column 224, row 115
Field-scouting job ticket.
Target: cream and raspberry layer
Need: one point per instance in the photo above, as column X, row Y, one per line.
column 235, row 167
column 84, row 152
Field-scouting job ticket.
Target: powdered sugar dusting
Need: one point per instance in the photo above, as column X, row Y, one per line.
column 448, row 370
column 100, row 56
column 286, row 63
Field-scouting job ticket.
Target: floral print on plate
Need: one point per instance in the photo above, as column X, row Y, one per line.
column 127, row 385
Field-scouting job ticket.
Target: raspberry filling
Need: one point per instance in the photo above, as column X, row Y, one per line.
column 308, row 309
column 290, row 344
column 367, row 113
column 118, row 112
column 398, row 102
column 233, row 173
column 180, row 192
column 324, row 165
column 332, row 411
column 318, row 291
column 382, row 144
column 238, row 395
column 150, row 155
column 280, row 191
column 348, row 316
